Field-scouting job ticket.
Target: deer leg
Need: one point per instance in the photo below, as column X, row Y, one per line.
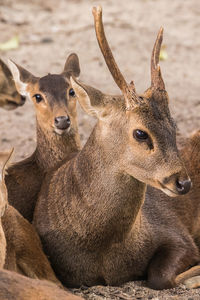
column 167, row 262
column 190, row 278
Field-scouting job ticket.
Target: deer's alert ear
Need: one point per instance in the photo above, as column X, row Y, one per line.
column 21, row 77
column 90, row 99
column 72, row 67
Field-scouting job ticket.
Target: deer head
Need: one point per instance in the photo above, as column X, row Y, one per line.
column 137, row 132
column 52, row 95
column 4, row 161
column 9, row 97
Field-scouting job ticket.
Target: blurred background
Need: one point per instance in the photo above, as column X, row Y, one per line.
column 40, row 34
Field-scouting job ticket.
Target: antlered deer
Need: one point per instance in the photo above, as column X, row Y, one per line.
column 91, row 214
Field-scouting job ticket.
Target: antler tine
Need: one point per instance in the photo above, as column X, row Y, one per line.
column 156, row 77
column 106, row 51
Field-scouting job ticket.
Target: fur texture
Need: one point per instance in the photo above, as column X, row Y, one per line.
column 91, row 215
column 24, row 179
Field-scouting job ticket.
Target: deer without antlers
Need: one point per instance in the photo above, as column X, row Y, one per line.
column 9, row 96
column 15, row 286
column 12, row 285
column 57, row 131
column 91, row 214
column 21, row 249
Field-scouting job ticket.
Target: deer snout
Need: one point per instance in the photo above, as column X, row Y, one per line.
column 62, row 122
column 23, row 100
column 176, row 184
column 183, row 186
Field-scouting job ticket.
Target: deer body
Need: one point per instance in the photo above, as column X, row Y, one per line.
column 106, row 226
column 21, row 251
column 24, row 179
column 24, row 253
column 57, row 132
column 91, row 214
column 15, row 286
column 187, row 207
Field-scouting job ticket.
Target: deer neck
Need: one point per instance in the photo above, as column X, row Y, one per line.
column 114, row 197
column 53, row 148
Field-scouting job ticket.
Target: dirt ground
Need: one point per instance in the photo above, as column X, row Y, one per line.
column 50, row 30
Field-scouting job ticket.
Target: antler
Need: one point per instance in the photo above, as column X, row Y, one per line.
column 106, row 51
column 127, row 89
column 156, row 77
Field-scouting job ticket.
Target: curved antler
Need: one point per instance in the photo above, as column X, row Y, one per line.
column 128, row 89
column 156, row 77
column 106, row 51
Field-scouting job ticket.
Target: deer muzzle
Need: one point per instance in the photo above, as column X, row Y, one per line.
column 175, row 185
column 62, row 123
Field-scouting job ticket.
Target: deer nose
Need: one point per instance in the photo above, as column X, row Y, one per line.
column 62, row 122
column 183, row 186
column 23, row 99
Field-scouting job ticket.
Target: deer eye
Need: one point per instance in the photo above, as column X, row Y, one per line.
column 38, row 98
column 71, row 93
column 140, row 135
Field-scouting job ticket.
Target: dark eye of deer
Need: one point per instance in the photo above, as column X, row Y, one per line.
column 140, row 135
column 71, row 93
column 38, row 98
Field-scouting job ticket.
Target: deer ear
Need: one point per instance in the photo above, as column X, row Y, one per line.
column 72, row 67
column 5, row 72
column 21, row 77
column 90, row 99
column 5, row 158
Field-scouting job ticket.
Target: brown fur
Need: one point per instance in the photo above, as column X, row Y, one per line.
column 186, row 207
column 23, row 252
column 14, row 287
column 91, row 215
column 9, row 96
column 21, row 249
column 4, row 159
column 24, row 178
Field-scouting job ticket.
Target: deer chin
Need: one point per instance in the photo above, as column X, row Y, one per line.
column 168, row 191
column 61, row 131
column 9, row 105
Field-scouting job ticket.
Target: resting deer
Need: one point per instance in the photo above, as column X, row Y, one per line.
column 91, row 215
column 12, row 285
column 24, row 252
column 9, row 97
column 57, row 131
column 4, row 159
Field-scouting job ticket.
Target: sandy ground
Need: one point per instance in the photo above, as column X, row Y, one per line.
column 50, row 30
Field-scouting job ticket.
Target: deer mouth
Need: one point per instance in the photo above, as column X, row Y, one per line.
column 168, row 191
column 10, row 105
column 61, row 131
